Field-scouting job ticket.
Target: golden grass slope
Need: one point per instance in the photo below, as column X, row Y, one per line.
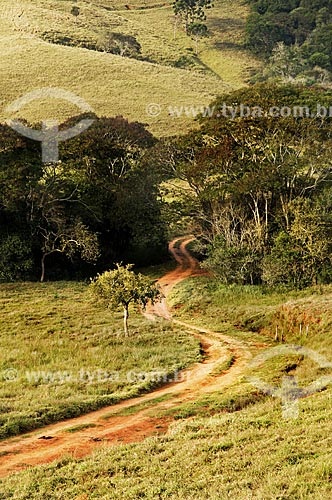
column 111, row 84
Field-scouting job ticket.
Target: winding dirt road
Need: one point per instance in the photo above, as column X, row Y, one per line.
column 111, row 425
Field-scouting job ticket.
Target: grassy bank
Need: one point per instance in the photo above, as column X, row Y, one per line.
column 298, row 316
column 61, row 355
column 232, row 444
column 251, row 453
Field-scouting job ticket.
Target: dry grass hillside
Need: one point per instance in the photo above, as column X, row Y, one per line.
column 111, row 84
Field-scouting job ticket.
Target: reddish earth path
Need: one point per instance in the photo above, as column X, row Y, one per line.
column 110, row 426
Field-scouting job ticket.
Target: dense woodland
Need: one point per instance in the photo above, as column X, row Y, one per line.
column 294, row 36
column 98, row 205
column 256, row 191
column 261, row 189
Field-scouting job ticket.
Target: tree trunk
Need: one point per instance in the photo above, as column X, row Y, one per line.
column 125, row 320
column 187, row 22
column 43, row 268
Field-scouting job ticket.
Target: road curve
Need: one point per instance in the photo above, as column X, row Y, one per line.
column 110, row 426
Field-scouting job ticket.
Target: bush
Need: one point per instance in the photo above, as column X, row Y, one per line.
column 318, row 59
column 15, row 258
column 235, row 264
column 59, row 38
column 120, row 44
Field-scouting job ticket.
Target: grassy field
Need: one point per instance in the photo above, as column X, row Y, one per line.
column 229, row 445
column 111, row 84
column 61, row 355
column 275, row 318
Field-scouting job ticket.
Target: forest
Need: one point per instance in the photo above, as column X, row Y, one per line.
column 294, row 36
column 255, row 191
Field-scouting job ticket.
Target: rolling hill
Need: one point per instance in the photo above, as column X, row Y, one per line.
column 32, row 33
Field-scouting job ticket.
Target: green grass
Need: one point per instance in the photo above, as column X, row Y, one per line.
column 252, row 453
column 81, row 427
column 61, row 355
column 232, row 444
column 225, row 365
column 111, row 84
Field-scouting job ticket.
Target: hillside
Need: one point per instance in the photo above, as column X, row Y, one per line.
column 32, row 54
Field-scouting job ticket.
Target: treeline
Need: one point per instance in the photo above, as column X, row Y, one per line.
column 255, row 190
column 260, row 197
column 302, row 26
column 97, row 205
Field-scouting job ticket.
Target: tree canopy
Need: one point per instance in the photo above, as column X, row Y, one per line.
column 191, row 11
column 100, row 190
column 122, row 287
column 252, row 180
column 301, row 24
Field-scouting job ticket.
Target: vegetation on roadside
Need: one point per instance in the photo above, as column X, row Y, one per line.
column 97, row 204
column 234, row 455
column 258, row 313
column 257, row 185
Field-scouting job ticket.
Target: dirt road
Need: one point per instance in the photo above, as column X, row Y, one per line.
column 111, row 425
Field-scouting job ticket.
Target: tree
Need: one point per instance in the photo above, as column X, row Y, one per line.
column 301, row 256
column 121, row 287
column 286, row 63
column 191, row 10
column 68, row 239
column 264, row 32
column 102, row 180
column 242, row 175
column 15, row 257
column 197, row 31
column 116, row 182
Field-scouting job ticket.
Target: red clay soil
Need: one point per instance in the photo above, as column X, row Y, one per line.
column 112, row 425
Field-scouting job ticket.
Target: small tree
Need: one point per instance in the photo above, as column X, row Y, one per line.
column 197, row 31
column 121, row 287
column 191, row 10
